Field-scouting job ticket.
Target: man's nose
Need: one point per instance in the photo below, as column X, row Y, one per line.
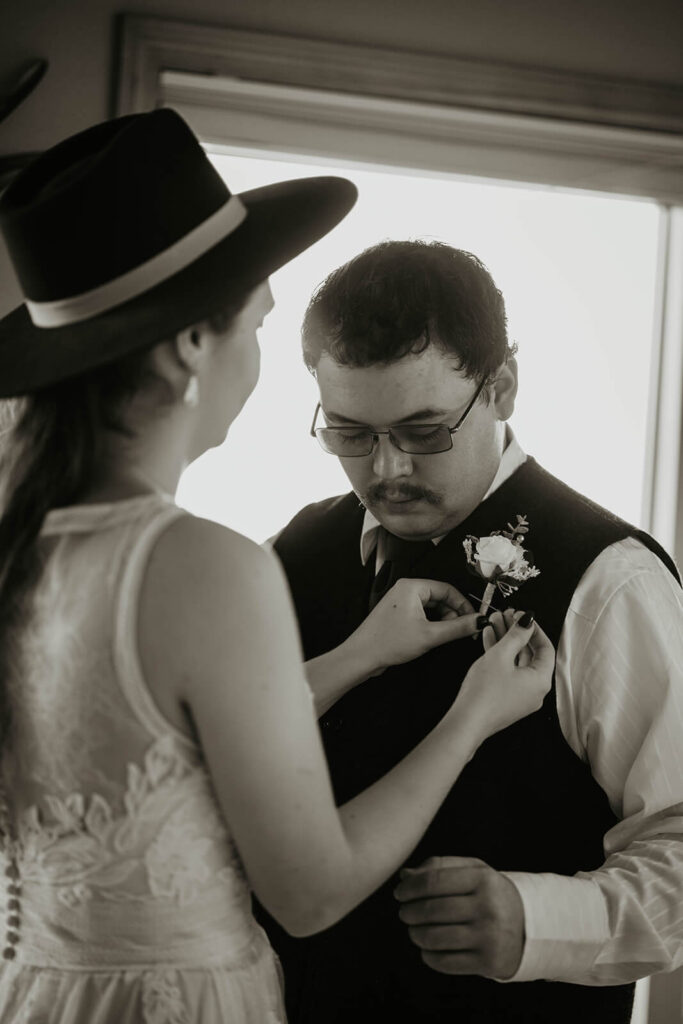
column 388, row 461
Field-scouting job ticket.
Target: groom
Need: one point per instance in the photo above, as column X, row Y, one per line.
column 555, row 862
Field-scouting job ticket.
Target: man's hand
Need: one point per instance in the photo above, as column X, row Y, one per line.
column 466, row 917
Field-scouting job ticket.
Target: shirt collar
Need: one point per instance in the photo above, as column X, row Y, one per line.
column 512, row 458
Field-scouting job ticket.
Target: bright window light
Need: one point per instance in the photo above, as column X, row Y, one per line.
column 578, row 273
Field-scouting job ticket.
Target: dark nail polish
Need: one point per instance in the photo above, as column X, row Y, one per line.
column 526, row 620
column 482, row 621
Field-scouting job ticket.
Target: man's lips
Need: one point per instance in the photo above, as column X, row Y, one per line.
column 395, row 497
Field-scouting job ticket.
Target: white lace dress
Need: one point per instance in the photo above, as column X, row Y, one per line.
column 133, row 907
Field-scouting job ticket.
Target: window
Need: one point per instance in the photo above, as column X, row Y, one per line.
column 578, row 272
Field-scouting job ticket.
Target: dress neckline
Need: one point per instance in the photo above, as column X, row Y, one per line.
column 101, row 514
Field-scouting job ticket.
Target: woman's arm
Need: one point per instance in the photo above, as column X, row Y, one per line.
column 216, row 626
column 333, row 674
column 395, row 631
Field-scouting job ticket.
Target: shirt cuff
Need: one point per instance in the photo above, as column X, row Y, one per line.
column 566, row 926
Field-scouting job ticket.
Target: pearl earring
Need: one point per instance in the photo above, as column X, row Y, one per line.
column 191, row 396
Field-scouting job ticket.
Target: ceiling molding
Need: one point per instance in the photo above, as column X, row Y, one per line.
column 346, row 128
column 151, row 45
column 340, row 103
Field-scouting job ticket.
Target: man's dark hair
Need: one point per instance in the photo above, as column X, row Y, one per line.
column 397, row 298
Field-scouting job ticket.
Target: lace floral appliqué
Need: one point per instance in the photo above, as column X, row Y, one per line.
column 170, row 834
column 162, row 1002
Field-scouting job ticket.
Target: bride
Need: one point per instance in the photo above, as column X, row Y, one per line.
column 161, row 758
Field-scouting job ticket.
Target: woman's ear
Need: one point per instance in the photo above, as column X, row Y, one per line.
column 190, row 347
column 505, row 389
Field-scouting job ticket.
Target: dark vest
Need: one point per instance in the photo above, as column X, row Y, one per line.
column 524, row 802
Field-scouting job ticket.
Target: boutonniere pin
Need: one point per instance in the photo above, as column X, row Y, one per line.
column 501, row 559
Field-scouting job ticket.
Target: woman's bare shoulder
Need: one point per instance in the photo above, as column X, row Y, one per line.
column 208, row 597
column 200, row 552
column 202, row 576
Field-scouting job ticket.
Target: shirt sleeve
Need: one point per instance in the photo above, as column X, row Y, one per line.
column 619, row 686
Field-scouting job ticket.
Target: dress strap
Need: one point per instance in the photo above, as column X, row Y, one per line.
column 126, row 654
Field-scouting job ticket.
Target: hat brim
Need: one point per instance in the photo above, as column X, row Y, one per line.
column 282, row 221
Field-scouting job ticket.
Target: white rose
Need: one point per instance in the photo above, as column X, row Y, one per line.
column 500, row 553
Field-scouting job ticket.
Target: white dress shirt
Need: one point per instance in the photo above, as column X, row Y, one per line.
column 619, row 686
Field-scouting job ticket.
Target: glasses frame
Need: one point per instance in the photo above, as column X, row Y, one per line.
column 375, row 434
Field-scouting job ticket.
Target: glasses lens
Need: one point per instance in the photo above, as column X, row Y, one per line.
column 346, row 443
column 424, row 440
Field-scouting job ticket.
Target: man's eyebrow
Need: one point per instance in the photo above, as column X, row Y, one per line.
column 425, row 414
column 429, row 414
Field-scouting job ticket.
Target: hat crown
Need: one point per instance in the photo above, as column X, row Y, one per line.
column 124, row 234
column 106, row 200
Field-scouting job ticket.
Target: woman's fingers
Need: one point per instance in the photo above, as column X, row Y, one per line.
column 511, row 615
column 488, row 637
column 453, row 616
column 530, row 648
column 499, row 623
column 497, row 620
column 542, row 650
column 445, row 630
column 447, row 598
column 524, row 658
column 517, row 636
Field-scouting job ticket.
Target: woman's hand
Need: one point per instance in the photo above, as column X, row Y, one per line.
column 398, row 628
column 512, row 677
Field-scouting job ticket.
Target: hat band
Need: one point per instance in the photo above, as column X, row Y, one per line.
column 145, row 276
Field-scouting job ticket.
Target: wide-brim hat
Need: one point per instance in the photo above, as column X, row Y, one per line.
column 124, row 234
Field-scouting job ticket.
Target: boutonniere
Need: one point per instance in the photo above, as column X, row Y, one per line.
column 501, row 559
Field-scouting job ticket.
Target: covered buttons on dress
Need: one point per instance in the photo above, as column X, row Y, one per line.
column 13, row 916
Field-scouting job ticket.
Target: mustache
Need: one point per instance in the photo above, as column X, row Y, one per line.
column 378, row 492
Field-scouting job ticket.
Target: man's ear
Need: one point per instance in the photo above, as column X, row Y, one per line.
column 190, row 347
column 504, row 389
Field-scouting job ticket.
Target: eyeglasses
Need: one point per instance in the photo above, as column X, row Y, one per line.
column 422, row 439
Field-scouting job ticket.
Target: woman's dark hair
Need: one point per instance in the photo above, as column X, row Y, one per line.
column 396, row 298
column 50, row 447
column 52, row 442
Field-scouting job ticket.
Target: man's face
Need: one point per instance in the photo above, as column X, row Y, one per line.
column 419, row 496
